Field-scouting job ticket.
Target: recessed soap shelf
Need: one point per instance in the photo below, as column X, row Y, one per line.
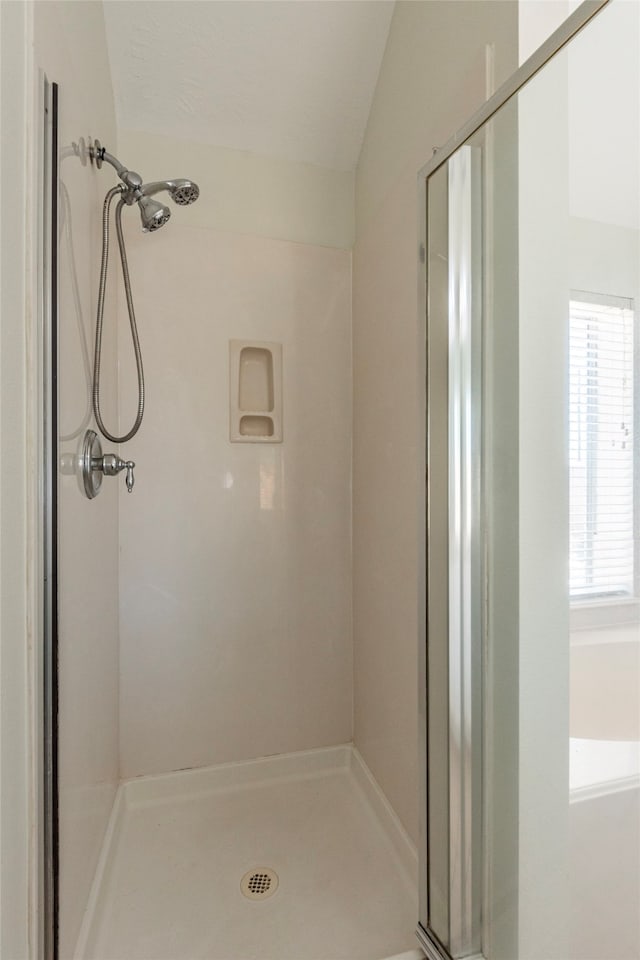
column 255, row 392
column 256, row 425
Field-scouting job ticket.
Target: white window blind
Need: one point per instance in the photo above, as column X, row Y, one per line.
column 601, row 454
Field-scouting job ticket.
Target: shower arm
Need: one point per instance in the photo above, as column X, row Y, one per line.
column 149, row 189
column 131, row 179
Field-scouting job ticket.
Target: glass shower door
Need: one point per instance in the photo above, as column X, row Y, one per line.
column 533, row 672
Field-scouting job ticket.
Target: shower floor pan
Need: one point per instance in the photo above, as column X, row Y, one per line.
column 296, row 857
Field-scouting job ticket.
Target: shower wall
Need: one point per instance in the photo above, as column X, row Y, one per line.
column 70, row 46
column 424, row 94
column 235, row 580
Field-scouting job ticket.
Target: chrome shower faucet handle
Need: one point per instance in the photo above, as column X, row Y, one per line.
column 111, row 465
column 94, row 465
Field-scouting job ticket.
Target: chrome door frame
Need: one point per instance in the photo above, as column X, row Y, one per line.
column 48, row 322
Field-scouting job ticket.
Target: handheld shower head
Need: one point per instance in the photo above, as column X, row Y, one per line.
column 153, row 214
column 183, row 192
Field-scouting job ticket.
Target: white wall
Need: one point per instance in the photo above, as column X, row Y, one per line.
column 604, row 880
column 70, row 46
column 604, row 184
column 537, row 20
column 543, row 243
column 19, row 673
column 432, row 79
column 235, row 558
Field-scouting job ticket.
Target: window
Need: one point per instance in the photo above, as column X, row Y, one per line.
column 602, row 473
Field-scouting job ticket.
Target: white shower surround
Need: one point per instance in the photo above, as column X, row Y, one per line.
column 235, row 567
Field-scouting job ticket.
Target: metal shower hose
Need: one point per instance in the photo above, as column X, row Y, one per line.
column 100, row 316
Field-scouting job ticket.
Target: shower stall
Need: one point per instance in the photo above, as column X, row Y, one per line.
column 233, row 804
column 209, row 793
column 207, row 799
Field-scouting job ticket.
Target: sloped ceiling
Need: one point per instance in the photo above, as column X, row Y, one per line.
column 286, row 78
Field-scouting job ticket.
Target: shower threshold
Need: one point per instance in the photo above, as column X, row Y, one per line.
column 283, row 858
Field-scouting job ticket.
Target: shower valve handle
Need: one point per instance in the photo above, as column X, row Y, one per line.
column 111, row 465
column 93, row 465
column 130, row 479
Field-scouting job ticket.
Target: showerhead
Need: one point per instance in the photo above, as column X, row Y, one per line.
column 183, row 192
column 153, row 214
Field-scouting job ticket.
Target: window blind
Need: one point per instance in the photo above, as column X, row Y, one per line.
column 601, row 441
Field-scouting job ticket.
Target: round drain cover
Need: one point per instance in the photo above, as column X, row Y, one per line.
column 259, row 884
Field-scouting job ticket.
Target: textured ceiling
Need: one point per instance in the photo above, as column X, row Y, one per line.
column 287, row 78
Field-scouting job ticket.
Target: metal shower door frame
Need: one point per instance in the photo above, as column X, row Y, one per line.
column 48, row 323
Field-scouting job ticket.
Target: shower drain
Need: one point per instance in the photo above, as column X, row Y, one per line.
column 259, row 884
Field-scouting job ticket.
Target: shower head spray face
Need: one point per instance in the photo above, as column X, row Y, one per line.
column 183, row 192
column 153, row 214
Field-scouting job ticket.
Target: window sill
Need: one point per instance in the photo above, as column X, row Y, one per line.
column 594, row 614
